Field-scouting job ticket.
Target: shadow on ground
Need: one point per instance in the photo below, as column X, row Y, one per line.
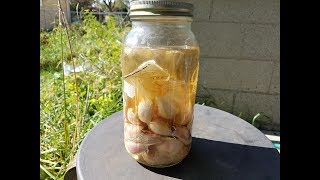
column 216, row 160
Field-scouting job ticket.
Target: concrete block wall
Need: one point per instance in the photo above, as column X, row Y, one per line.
column 240, row 57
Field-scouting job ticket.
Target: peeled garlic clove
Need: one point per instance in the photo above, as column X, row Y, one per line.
column 155, row 158
column 160, row 127
column 179, row 156
column 145, row 110
column 168, row 153
column 131, row 131
column 132, row 117
column 148, row 138
column 170, row 146
column 136, row 134
column 129, row 89
column 135, row 148
column 166, row 107
column 183, row 134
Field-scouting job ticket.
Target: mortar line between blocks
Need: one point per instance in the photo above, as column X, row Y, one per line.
column 211, row 9
column 244, row 91
column 240, row 58
column 237, row 22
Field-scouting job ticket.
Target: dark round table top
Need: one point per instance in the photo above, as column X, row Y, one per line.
column 223, row 147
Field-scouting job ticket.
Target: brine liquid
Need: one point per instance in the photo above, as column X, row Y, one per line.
column 159, row 88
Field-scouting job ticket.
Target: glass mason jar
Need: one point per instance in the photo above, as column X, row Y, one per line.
column 160, row 62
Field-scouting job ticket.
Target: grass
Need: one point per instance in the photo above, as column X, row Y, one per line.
column 72, row 104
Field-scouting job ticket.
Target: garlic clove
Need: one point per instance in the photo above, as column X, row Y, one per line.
column 132, row 117
column 180, row 155
column 160, row 127
column 135, row 133
column 129, row 89
column 149, row 138
column 183, row 134
column 154, row 157
column 135, row 148
column 170, row 146
column 132, row 131
column 167, row 108
column 145, row 110
column 158, row 155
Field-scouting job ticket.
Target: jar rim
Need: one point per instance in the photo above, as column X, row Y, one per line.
column 160, row 8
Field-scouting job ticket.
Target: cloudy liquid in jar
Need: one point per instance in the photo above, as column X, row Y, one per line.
column 159, row 88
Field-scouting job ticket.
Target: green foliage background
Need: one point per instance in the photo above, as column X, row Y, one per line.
column 99, row 86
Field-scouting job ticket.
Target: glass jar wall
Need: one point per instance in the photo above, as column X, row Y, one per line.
column 160, row 64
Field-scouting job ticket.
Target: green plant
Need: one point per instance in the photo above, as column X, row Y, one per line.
column 258, row 120
column 207, row 99
column 50, row 46
column 72, row 104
